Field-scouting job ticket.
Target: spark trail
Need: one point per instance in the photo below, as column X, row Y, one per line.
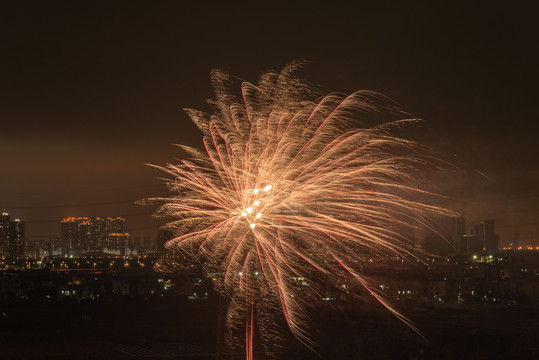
column 290, row 184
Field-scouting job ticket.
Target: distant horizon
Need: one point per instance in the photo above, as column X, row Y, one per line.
column 524, row 242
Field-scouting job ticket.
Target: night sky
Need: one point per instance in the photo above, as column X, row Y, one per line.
column 92, row 91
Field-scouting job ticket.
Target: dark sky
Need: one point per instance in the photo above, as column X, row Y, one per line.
column 91, row 91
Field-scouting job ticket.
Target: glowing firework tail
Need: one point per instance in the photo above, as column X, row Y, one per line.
column 291, row 183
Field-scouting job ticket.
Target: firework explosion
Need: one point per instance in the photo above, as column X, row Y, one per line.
column 288, row 187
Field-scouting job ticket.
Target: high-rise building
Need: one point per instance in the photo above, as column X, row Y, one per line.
column 16, row 241
column 460, row 232
column 4, row 233
column 74, row 234
column 11, row 237
column 446, row 236
column 491, row 239
column 477, row 240
column 83, row 234
column 117, row 242
column 482, row 238
column 38, row 246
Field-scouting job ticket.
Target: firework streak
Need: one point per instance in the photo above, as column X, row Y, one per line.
column 288, row 187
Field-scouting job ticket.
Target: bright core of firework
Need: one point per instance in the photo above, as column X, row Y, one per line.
column 249, row 212
column 290, row 183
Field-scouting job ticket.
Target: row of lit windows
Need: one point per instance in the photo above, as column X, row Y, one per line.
column 74, row 219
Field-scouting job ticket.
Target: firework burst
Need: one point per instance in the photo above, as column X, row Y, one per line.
column 290, row 184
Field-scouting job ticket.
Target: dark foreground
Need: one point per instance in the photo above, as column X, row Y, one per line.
column 174, row 329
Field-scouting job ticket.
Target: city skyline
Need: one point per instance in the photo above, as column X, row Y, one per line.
column 106, row 235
